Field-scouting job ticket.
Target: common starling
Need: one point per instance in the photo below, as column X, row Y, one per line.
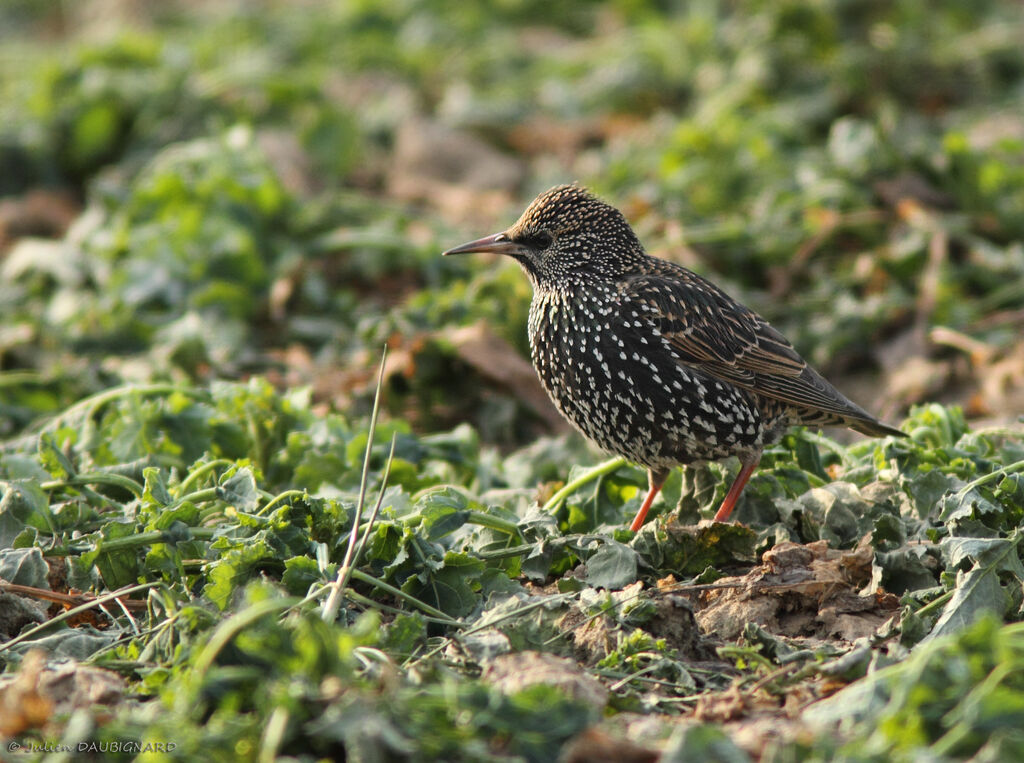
column 650, row 360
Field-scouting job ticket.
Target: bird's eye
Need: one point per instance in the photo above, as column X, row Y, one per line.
column 539, row 241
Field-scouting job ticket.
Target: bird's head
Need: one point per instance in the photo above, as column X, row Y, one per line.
column 566, row 234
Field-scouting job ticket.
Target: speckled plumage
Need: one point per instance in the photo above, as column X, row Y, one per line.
column 648, row 359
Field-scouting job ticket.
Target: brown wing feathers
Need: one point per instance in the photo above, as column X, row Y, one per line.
column 713, row 332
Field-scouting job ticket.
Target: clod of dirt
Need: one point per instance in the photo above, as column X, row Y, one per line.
column 511, row 673
column 675, row 622
column 592, row 637
column 16, row 612
column 596, row 746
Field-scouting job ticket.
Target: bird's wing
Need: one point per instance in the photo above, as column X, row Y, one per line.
column 714, row 333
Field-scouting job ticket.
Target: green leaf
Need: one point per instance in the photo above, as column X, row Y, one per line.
column 155, row 495
column 301, row 572
column 613, row 566
column 404, row 633
column 386, row 545
column 443, row 512
column 23, row 503
column 54, row 460
column 186, row 514
column 453, row 587
column 530, row 622
column 689, row 550
column 78, row 643
column 439, row 521
column 905, row 569
column 233, row 569
column 118, row 567
column 537, row 564
column 971, row 504
column 979, row 591
column 240, row 491
column 24, row 566
column 853, row 144
column 927, row 489
column 948, row 697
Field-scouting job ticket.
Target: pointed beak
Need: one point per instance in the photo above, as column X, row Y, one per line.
column 499, row 243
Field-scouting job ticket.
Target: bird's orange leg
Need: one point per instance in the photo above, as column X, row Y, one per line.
column 737, row 487
column 655, row 480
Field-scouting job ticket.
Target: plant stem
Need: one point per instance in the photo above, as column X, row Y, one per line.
column 281, row 498
column 95, row 402
column 1017, row 466
column 231, row 627
column 206, row 494
column 494, row 523
column 201, row 472
column 130, row 541
column 590, row 475
column 934, row 604
column 360, row 575
column 97, row 478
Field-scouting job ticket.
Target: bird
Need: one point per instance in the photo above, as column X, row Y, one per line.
column 648, row 359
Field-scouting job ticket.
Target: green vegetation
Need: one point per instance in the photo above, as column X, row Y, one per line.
column 214, row 218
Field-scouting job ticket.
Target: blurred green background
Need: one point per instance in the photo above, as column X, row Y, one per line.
column 213, row 217
column 198, row 190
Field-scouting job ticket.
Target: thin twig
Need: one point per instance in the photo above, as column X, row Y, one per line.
column 98, row 601
column 376, row 507
column 333, row 603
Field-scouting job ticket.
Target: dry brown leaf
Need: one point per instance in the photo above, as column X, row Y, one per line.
column 22, row 705
column 806, row 590
column 732, row 704
column 465, row 178
column 40, row 691
column 44, row 213
column 498, row 362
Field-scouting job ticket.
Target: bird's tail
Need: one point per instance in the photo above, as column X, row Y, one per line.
column 849, row 415
column 873, row 427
